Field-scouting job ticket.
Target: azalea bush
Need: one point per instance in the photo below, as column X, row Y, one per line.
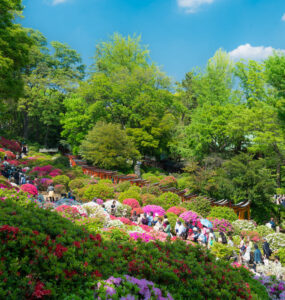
column 223, row 212
column 221, row 225
column 155, row 209
column 61, row 179
column 200, row 205
column 264, row 230
column 276, row 241
column 151, row 189
column 223, row 251
column 101, row 190
column 177, row 210
column 60, row 258
column 190, row 216
column 168, row 182
column 148, row 199
column 131, row 193
column 275, row 288
column 253, row 235
column 142, row 236
column 59, row 189
column 29, row 188
column 69, row 212
column 128, row 287
column 133, row 203
column 240, row 225
column 123, row 186
column 167, row 200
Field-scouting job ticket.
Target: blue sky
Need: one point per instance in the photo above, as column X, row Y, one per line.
column 181, row 34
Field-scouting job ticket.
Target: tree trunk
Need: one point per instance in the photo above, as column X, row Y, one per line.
column 26, row 126
column 46, row 136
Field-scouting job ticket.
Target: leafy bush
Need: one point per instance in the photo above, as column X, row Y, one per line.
column 276, row 241
column 240, row 225
column 151, row 177
column 58, row 258
column 200, row 205
column 130, row 193
column 59, row 189
column 223, row 212
column 264, row 230
column 281, row 254
column 222, row 251
column 168, row 182
column 151, row 189
column 148, row 199
column 61, row 179
column 123, row 186
column 123, row 211
column 167, row 200
column 2, row 155
column 76, row 183
column 61, row 161
column 101, row 190
column 172, row 218
column 184, row 183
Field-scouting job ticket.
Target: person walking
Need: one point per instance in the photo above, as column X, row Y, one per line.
column 266, row 249
column 50, row 191
column 257, row 257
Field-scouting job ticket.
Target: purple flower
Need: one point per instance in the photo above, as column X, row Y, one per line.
column 110, row 291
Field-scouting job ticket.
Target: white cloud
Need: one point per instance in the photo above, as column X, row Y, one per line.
column 283, row 18
column 56, row 2
column 191, row 6
column 250, row 52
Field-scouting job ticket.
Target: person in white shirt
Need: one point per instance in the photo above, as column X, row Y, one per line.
column 181, row 229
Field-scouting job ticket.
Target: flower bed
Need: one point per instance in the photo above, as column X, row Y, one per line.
column 29, row 188
column 221, row 225
column 177, row 210
column 133, row 203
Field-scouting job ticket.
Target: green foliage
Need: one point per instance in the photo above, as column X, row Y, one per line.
column 100, row 190
column 168, row 182
column 2, row 154
column 61, row 161
column 172, row 219
column 61, row 179
column 76, row 183
column 223, row 212
column 108, row 146
column 222, row 251
column 184, row 182
column 264, row 230
column 123, row 186
column 167, row 200
column 151, row 189
column 281, row 254
column 130, row 193
column 200, row 205
column 148, row 199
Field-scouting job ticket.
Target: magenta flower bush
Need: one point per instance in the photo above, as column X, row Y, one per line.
column 29, row 188
column 221, row 225
column 189, row 216
column 45, row 182
column 133, row 203
column 155, row 209
column 177, row 210
column 99, row 201
column 55, row 172
column 42, row 171
column 143, row 236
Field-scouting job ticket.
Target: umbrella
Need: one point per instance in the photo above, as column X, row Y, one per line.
column 206, row 223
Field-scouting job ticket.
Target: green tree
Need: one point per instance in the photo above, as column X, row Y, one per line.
column 14, row 49
column 126, row 88
column 108, row 146
column 49, row 77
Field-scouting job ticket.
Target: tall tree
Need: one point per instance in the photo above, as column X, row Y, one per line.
column 14, row 49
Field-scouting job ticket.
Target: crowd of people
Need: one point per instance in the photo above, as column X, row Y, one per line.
column 248, row 252
column 279, row 199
